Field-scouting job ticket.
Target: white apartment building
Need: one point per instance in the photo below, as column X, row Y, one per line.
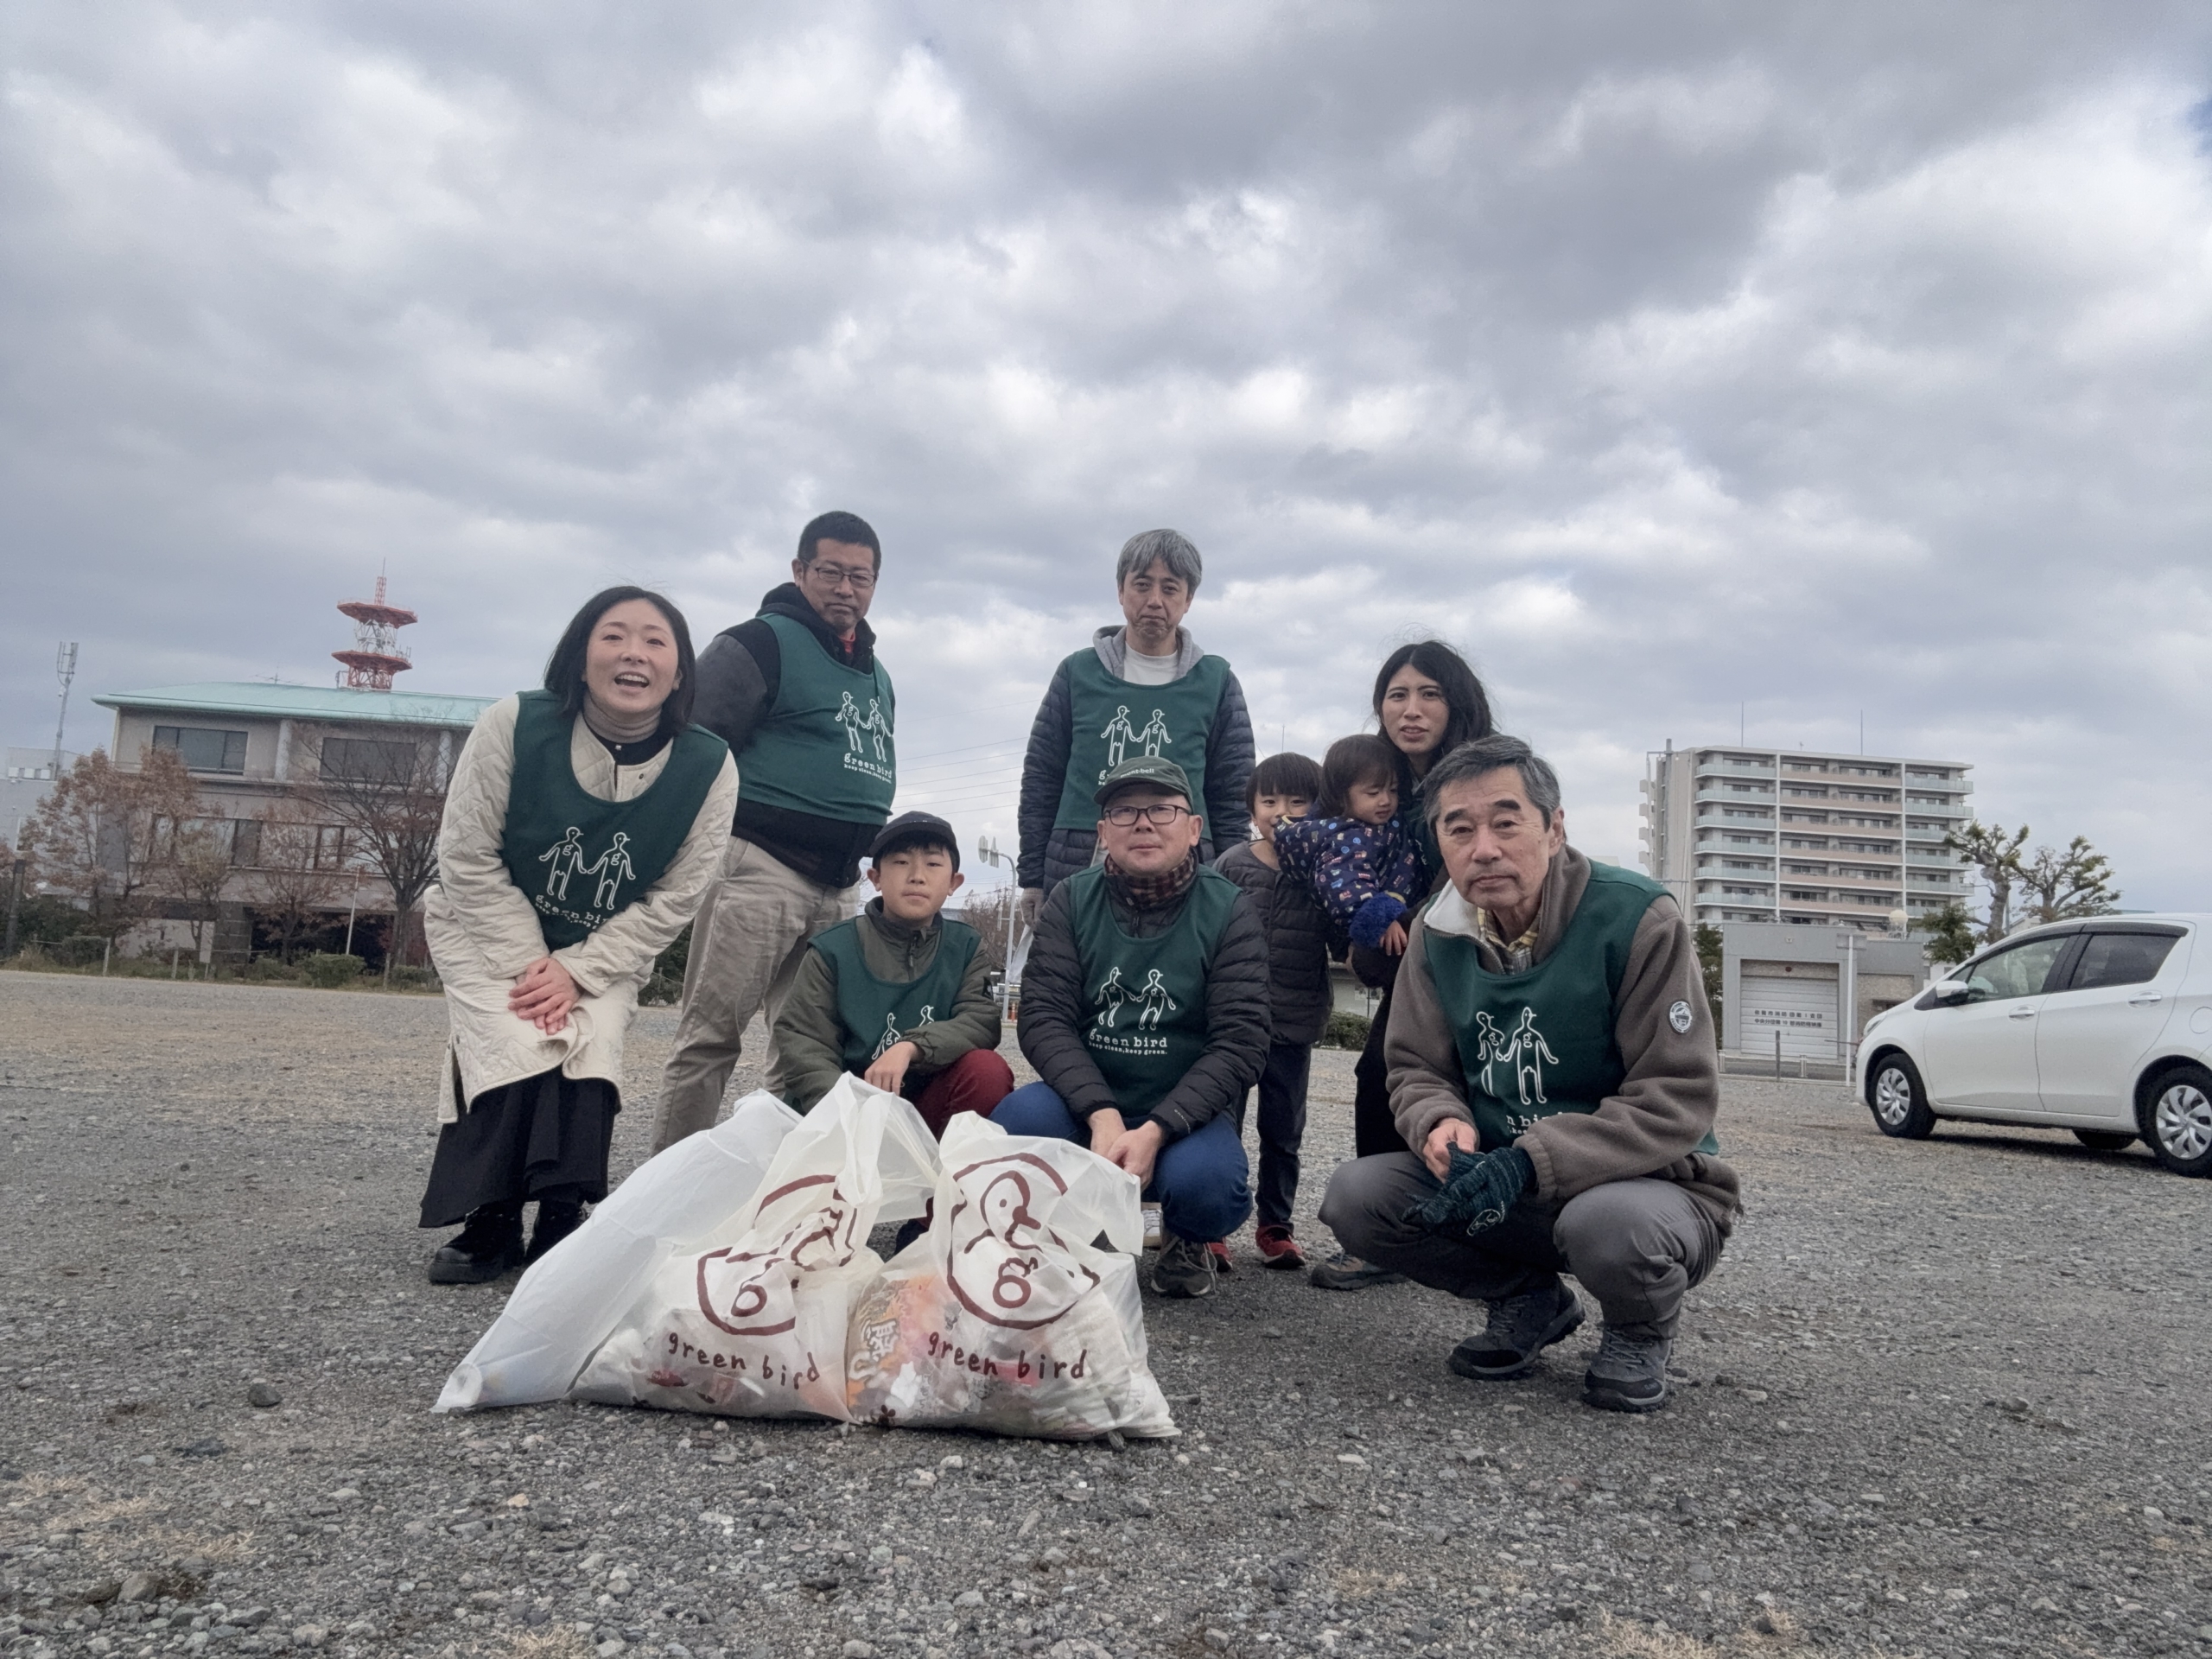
column 1743, row 834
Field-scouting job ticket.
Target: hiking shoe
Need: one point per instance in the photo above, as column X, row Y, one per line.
column 489, row 1246
column 1630, row 1373
column 1520, row 1328
column 1223, row 1261
column 1277, row 1247
column 554, row 1223
column 1185, row 1267
column 1344, row 1271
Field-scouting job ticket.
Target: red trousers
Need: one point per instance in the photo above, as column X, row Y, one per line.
column 976, row 1081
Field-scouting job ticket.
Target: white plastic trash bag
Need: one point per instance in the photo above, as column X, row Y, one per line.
column 1005, row 1315
column 751, row 1322
column 573, row 1296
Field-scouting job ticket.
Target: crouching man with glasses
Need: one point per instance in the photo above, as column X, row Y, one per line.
column 1144, row 1008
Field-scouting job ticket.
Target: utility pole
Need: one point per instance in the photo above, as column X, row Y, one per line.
column 64, row 669
column 14, row 900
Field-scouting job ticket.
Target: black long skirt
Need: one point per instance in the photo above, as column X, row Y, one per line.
column 545, row 1137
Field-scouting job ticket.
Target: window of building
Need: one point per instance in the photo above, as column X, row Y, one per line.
column 329, row 848
column 245, row 843
column 203, row 748
column 367, row 760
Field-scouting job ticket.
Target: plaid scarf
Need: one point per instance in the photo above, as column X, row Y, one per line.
column 1152, row 892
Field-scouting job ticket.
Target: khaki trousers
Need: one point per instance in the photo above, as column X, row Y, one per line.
column 745, row 947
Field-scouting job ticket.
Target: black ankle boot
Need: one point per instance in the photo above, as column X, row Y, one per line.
column 489, row 1245
column 554, row 1223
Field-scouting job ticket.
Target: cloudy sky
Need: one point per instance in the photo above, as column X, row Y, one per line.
column 1682, row 363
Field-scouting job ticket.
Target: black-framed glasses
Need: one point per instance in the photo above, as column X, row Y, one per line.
column 1159, row 814
column 836, row 575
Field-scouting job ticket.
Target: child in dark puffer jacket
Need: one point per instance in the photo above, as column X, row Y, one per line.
column 1362, row 866
column 1283, row 790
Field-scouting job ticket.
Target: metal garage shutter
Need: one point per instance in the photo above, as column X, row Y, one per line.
column 1803, row 1009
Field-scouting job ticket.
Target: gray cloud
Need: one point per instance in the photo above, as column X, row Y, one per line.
column 1671, row 359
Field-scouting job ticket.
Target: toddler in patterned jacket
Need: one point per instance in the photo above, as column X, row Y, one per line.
column 1363, row 865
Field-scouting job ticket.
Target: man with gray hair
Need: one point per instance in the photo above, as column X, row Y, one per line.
column 1552, row 1069
column 1144, row 690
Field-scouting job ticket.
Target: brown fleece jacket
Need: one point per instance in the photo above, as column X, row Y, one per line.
column 1668, row 1101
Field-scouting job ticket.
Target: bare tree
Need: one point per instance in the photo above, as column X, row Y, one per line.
column 2075, row 882
column 389, row 795
column 294, row 884
column 1996, row 855
column 993, row 914
column 102, row 835
column 199, row 868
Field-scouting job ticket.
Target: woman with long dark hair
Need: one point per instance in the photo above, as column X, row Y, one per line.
column 582, row 825
column 1427, row 701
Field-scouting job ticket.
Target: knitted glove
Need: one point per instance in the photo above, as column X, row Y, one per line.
column 1480, row 1188
column 1374, row 917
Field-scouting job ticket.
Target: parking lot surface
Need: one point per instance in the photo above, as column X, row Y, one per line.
column 1945, row 1397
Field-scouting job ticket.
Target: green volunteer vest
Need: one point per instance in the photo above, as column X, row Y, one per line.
column 877, row 1012
column 824, row 747
column 1112, row 720
column 579, row 859
column 1534, row 1044
column 1147, row 997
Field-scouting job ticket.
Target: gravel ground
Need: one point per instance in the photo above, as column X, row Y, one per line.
column 1940, row 1398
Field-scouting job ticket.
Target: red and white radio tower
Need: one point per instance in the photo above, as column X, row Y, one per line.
column 376, row 656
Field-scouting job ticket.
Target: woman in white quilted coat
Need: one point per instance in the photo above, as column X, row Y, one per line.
column 582, row 826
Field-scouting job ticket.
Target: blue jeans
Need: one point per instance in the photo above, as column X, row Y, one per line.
column 1200, row 1182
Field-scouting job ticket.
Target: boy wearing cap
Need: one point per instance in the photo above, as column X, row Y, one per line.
column 897, row 995
column 1144, row 1008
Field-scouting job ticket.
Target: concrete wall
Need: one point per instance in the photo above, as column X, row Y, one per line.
column 1889, row 970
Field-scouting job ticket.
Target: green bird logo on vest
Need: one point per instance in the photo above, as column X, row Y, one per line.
column 1151, row 998
column 565, row 860
column 863, row 732
column 1523, row 1052
column 1119, row 734
column 892, row 1036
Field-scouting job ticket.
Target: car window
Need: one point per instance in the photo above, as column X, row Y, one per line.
column 2120, row 959
column 2019, row 971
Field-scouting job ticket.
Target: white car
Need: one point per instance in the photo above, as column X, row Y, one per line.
column 2102, row 1027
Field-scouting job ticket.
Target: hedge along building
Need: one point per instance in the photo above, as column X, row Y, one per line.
column 302, row 787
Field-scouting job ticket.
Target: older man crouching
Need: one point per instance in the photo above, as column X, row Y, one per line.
column 1552, row 1056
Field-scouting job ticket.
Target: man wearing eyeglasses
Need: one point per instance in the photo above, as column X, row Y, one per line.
column 799, row 695
column 1144, row 1008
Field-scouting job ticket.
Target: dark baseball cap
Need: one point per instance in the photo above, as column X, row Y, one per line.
column 910, row 829
column 1142, row 769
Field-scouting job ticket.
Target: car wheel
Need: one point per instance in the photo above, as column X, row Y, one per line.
column 1899, row 1103
column 2175, row 1116
column 2105, row 1139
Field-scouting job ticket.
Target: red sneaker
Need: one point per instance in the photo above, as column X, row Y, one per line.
column 1278, row 1246
column 1223, row 1261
